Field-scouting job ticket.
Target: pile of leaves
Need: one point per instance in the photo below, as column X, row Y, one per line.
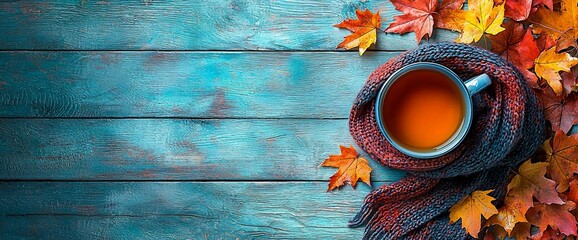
column 540, row 38
column 542, row 194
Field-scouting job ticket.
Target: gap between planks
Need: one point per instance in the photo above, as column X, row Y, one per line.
column 181, row 118
column 175, row 181
column 199, row 51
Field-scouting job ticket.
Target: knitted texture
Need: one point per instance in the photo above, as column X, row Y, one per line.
column 507, row 128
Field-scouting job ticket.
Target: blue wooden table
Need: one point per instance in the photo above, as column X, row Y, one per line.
column 180, row 119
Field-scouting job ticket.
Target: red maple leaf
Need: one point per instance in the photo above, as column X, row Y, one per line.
column 562, row 112
column 420, row 16
column 520, row 10
column 516, row 44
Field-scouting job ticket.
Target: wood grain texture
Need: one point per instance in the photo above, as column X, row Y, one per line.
column 156, row 149
column 177, row 210
column 189, row 25
column 183, row 84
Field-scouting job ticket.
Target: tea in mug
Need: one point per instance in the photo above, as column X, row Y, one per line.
column 423, row 109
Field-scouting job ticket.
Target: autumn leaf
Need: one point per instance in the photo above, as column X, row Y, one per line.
column 490, row 235
column 516, row 44
column 569, row 81
column 417, row 18
column 531, row 78
column 351, row 168
column 519, row 10
column 450, row 16
column 495, row 232
column 508, row 216
column 556, row 216
column 364, row 30
column 530, row 182
column 562, row 155
column 572, row 195
column 561, row 26
column 551, row 234
column 562, row 112
column 482, row 17
column 549, row 63
column 420, row 16
column 470, row 208
column 544, row 41
column 521, row 231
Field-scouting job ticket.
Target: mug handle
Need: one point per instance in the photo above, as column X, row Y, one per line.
column 477, row 84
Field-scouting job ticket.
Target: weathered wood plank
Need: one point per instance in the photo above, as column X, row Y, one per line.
column 190, row 25
column 181, row 210
column 182, row 84
column 153, row 149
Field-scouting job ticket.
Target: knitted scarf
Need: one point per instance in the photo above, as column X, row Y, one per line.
column 507, row 128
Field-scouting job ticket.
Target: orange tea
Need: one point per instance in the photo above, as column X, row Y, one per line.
column 423, row 109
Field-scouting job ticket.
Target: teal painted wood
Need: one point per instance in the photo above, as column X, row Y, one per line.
column 181, row 210
column 189, row 25
column 116, row 177
column 156, row 149
column 183, row 84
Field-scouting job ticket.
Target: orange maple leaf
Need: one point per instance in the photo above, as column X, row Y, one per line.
column 561, row 26
column 471, row 208
column 556, row 216
column 420, row 16
column 530, row 182
column 508, row 216
column 562, row 112
column 351, row 168
column 450, row 16
column 364, row 30
column 562, row 155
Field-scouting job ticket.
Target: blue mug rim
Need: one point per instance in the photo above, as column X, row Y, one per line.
column 451, row 143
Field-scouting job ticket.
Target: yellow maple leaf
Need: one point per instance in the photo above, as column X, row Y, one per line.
column 481, row 17
column 549, row 63
column 364, row 30
column 471, row 208
column 351, row 168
